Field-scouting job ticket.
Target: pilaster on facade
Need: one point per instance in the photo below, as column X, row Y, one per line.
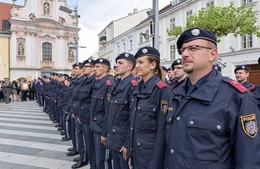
column 47, row 32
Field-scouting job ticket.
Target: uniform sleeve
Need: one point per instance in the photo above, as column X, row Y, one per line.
column 157, row 159
column 245, row 137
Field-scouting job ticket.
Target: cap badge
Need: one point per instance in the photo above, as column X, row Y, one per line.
column 178, row 61
column 144, row 51
column 100, row 60
column 195, row 32
column 127, row 55
column 89, row 60
column 243, row 67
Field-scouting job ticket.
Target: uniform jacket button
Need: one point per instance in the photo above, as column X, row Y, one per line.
column 191, row 122
column 172, row 151
column 218, row 127
column 178, row 118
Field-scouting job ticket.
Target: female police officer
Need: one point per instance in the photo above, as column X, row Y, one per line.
column 149, row 105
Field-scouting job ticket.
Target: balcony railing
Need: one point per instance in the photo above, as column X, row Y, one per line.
column 47, row 64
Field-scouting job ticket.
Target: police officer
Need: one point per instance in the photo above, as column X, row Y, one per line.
column 73, row 108
column 242, row 73
column 179, row 74
column 118, row 117
column 171, row 77
column 99, row 107
column 88, row 152
column 212, row 122
column 148, row 108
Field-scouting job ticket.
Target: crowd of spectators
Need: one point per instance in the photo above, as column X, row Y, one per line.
column 17, row 90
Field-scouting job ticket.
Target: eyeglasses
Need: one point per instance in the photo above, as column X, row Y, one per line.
column 177, row 68
column 192, row 48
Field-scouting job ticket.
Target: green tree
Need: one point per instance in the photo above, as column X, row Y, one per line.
column 21, row 79
column 222, row 21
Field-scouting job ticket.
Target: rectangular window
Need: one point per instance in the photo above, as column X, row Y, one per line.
column 172, row 52
column 123, row 47
column 247, row 41
column 140, row 38
column 188, row 14
column 47, row 51
column 130, row 45
column 247, row 1
column 118, row 49
column 210, row 3
column 172, row 24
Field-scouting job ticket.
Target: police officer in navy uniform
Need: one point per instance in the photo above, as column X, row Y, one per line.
column 242, row 73
column 118, row 117
column 171, row 78
column 73, row 108
column 98, row 109
column 179, row 74
column 86, row 143
column 212, row 122
column 148, row 109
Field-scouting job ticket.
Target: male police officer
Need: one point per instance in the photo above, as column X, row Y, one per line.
column 213, row 119
column 99, row 107
column 118, row 117
column 242, row 73
column 179, row 74
column 73, row 107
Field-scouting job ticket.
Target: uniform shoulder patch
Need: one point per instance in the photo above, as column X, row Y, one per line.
column 161, row 84
column 134, row 83
column 164, row 106
column 108, row 82
column 249, row 125
column 238, row 86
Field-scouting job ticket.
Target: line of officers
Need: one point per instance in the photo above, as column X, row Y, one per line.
column 198, row 120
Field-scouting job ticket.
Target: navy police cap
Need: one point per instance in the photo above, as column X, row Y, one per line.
column 127, row 56
column 176, row 62
column 241, row 67
column 89, row 61
column 147, row 51
column 77, row 64
column 102, row 61
column 196, row 33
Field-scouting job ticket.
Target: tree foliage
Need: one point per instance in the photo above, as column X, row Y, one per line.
column 223, row 21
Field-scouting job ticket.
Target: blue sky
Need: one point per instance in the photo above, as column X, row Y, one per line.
column 97, row 14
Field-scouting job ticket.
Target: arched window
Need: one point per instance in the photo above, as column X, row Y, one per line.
column 47, row 51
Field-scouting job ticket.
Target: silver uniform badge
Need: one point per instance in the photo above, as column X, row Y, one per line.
column 144, row 51
column 127, row 55
column 100, row 60
column 195, row 32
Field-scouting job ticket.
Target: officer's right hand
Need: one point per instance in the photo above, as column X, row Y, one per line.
column 123, row 150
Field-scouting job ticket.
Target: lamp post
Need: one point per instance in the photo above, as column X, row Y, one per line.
column 69, row 11
column 156, row 24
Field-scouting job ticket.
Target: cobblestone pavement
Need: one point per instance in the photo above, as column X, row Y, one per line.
column 29, row 140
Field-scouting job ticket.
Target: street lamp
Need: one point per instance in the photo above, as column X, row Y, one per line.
column 156, row 24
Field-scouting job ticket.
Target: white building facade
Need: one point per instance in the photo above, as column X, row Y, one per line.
column 115, row 29
column 232, row 50
column 43, row 39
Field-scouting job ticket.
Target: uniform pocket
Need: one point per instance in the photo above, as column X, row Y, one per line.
column 205, row 138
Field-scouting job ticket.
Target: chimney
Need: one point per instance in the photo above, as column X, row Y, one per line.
column 135, row 10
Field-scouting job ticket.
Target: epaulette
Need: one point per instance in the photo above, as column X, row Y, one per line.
column 161, row 84
column 108, row 82
column 252, row 88
column 134, row 83
column 238, row 86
